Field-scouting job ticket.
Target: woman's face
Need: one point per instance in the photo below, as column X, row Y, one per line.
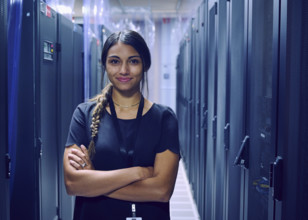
column 124, row 67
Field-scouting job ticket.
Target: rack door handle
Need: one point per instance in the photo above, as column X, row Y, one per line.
column 242, row 158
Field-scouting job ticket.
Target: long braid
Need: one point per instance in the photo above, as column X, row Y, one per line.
column 102, row 101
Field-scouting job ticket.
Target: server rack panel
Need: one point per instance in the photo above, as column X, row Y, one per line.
column 49, row 112
column 70, row 94
column 95, row 68
column 203, row 107
column 49, row 86
column 4, row 156
column 212, row 115
column 221, row 153
column 303, row 106
column 23, row 148
column 78, row 63
column 237, row 108
column 292, row 143
column 260, row 77
column 197, row 106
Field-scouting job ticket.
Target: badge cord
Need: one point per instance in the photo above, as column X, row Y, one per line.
column 117, row 126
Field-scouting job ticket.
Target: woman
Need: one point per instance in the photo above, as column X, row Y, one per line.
column 130, row 166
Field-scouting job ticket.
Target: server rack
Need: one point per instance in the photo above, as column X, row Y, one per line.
column 255, row 82
column 70, row 94
column 49, row 87
column 4, row 157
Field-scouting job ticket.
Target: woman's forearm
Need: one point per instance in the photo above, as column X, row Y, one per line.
column 158, row 188
column 90, row 183
column 148, row 190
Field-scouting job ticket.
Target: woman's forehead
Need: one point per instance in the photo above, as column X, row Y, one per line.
column 121, row 49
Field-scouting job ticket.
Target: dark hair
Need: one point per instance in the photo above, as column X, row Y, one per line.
column 133, row 39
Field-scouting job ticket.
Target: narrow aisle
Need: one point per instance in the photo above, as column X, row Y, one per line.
column 182, row 204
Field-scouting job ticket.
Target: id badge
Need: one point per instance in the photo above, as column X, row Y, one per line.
column 133, row 214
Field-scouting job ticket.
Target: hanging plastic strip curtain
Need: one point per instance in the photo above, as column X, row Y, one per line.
column 14, row 34
column 64, row 7
column 94, row 14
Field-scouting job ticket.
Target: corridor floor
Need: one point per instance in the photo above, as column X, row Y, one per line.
column 182, row 204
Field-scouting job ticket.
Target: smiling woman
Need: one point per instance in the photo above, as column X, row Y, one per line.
column 130, row 165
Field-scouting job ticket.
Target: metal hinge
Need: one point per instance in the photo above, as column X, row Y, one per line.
column 227, row 136
column 39, row 147
column 58, row 47
column 242, row 158
column 198, row 107
column 8, row 166
column 214, row 124
column 276, row 170
column 216, row 8
column 204, row 120
column 58, row 213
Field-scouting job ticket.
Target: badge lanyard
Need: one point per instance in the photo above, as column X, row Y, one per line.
column 130, row 150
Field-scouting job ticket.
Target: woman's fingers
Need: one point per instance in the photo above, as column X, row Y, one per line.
column 75, row 165
column 77, row 159
column 81, row 157
column 85, row 151
column 78, row 153
column 87, row 158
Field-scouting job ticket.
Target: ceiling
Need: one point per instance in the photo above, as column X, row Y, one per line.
column 156, row 8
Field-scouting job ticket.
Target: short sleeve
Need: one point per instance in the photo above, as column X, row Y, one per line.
column 169, row 133
column 78, row 128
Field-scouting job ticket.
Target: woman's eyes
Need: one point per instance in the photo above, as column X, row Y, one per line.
column 117, row 62
column 114, row 61
column 134, row 61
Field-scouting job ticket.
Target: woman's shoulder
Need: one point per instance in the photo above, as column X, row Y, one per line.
column 85, row 108
column 162, row 110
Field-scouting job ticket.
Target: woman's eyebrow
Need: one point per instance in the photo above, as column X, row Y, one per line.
column 113, row 56
column 133, row 56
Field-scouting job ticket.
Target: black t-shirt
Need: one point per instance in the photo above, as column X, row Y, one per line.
column 158, row 132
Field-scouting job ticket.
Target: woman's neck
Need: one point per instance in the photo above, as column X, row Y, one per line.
column 126, row 100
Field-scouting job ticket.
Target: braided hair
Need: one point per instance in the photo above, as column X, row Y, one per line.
column 133, row 39
column 101, row 104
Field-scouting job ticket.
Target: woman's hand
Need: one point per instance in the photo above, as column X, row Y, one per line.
column 79, row 159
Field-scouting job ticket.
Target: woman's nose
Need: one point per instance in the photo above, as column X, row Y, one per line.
column 124, row 69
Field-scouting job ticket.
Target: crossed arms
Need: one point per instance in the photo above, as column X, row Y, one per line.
column 139, row 184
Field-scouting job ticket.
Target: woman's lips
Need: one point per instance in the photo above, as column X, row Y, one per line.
column 123, row 79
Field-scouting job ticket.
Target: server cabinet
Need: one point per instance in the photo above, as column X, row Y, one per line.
column 223, row 96
column 23, row 148
column 212, row 115
column 238, row 142
column 290, row 190
column 260, row 117
column 202, row 107
column 47, row 113
column 188, row 98
column 194, row 106
column 4, row 157
column 46, row 90
column 70, row 94
column 254, row 96
column 95, row 68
